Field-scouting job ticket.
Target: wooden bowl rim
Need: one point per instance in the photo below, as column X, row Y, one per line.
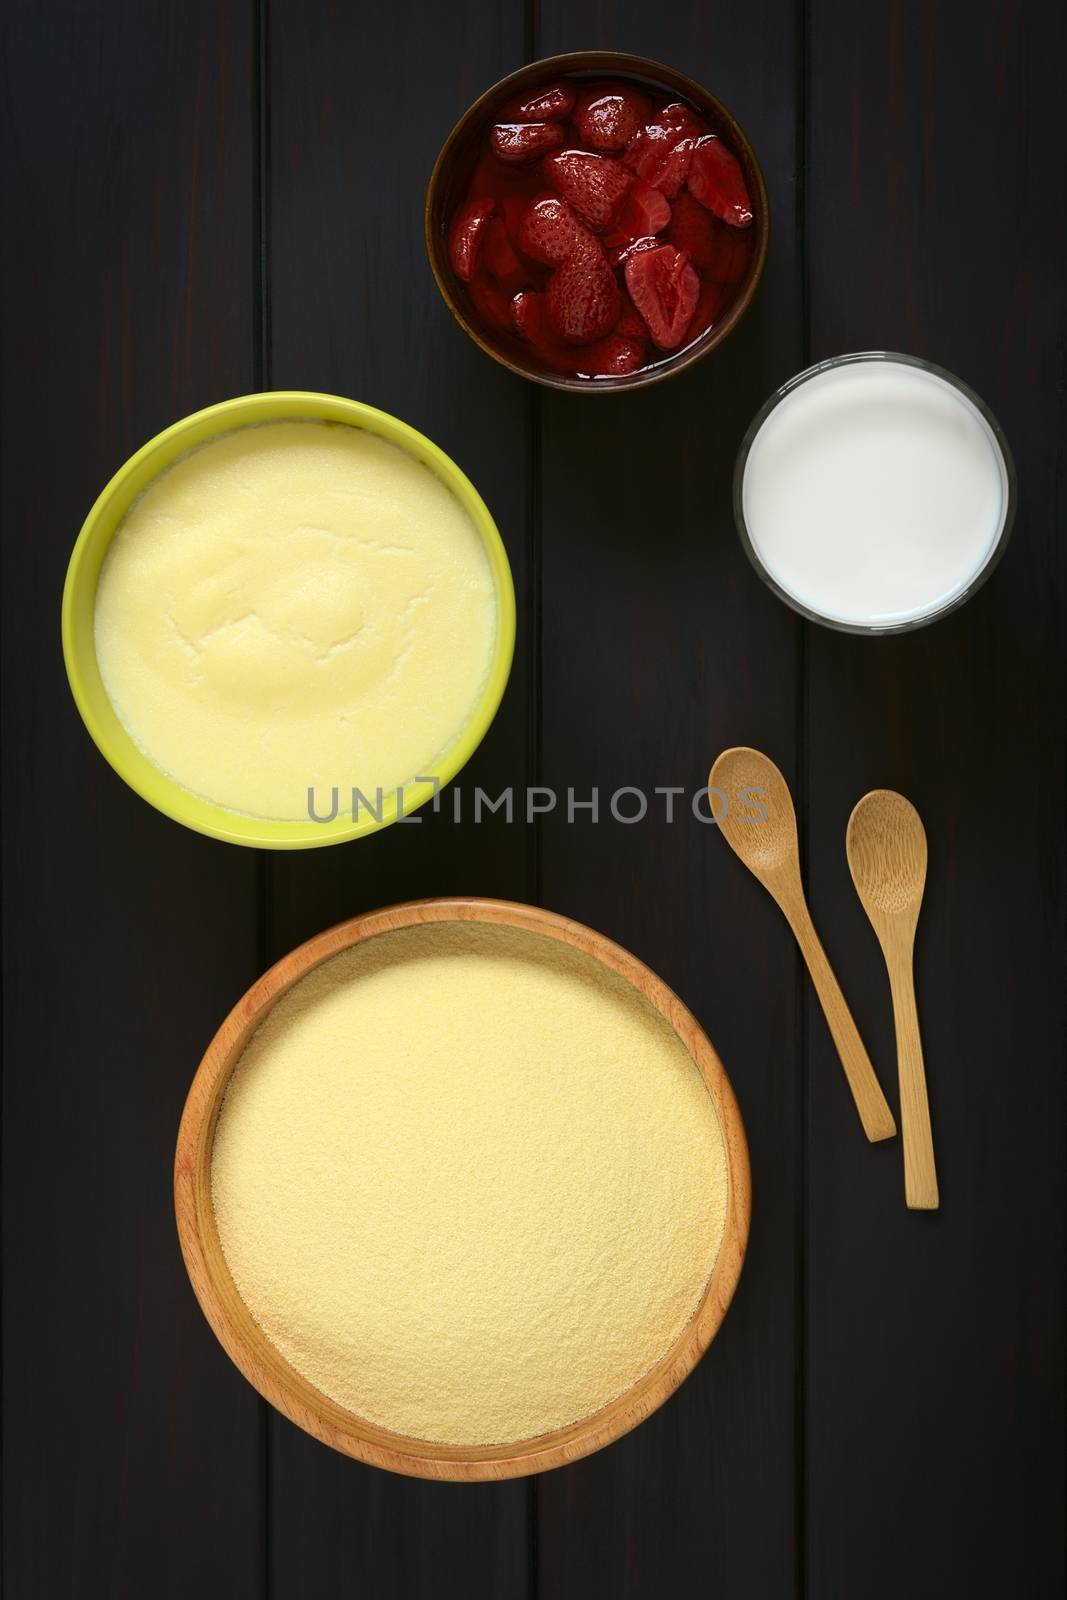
column 617, row 63
column 265, row 1367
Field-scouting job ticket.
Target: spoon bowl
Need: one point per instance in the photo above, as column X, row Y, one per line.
column 886, row 848
column 758, row 821
column 886, row 844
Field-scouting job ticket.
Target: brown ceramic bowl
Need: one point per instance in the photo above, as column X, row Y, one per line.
column 456, row 161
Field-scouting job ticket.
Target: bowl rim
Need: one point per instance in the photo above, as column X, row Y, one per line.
column 620, row 63
column 1007, row 524
column 264, row 1366
column 102, row 523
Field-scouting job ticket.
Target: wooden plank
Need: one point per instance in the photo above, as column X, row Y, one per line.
column 132, row 1448
column 660, row 649
column 935, row 1406
column 359, row 105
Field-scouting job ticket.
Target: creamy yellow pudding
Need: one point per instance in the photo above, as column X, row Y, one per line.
column 290, row 606
column 469, row 1182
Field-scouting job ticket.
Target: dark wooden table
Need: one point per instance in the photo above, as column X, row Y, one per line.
column 209, row 198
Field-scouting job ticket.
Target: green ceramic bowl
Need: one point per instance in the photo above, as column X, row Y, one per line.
column 79, row 599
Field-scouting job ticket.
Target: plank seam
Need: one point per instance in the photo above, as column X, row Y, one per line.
column 535, row 734
column 261, row 365
column 802, row 136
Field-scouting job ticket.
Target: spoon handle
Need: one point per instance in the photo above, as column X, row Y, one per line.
column 920, row 1173
column 871, row 1103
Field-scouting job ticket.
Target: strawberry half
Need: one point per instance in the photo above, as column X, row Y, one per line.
column 514, row 209
column 664, row 287
column 582, row 299
column 522, row 141
column 643, row 213
column 660, row 152
column 734, row 254
column 530, row 323
column 708, row 307
column 612, row 357
column 550, row 232
column 499, row 258
column 608, row 117
column 695, row 230
column 527, row 313
column 631, row 324
column 551, row 104
column 593, row 185
column 716, row 181
column 661, row 157
column 466, row 234
column 680, row 119
column 492, row 303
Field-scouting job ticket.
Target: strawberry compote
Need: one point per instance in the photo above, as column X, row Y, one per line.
column 604, row 228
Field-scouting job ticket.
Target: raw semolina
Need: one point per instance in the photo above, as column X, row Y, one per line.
column 469, row 1182
column 295, row 605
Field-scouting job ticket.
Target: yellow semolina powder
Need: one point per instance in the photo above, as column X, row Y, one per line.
column 469, row 1182
column 290, row 606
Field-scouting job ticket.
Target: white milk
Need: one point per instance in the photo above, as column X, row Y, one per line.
column 874, row 493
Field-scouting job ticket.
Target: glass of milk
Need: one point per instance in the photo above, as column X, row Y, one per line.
column 874, row 492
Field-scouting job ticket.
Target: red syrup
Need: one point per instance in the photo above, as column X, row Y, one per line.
column 603, row 228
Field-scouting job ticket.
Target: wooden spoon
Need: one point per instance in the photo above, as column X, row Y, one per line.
column 886, row 847
column 750, row 783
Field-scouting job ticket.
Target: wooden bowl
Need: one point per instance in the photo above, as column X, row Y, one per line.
column 268, row 1371
column 455, row 163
